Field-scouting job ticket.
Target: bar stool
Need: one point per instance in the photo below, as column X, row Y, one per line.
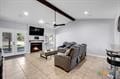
column 114, row 60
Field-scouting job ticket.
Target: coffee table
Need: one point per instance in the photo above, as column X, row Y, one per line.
column 48, row 53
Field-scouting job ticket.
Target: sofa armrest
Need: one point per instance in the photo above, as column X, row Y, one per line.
column 63, row 62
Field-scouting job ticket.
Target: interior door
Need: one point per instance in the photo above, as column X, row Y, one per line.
column 7, row 43
column 13, row 42
column 20, row 42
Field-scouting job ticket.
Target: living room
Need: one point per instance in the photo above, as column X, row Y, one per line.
column 54, row 39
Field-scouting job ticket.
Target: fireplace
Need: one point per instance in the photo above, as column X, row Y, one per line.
column 35, row 47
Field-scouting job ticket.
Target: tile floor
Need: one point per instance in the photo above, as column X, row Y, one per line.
column 31, row 66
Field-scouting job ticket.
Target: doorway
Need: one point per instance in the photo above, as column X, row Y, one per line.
column 13, row 42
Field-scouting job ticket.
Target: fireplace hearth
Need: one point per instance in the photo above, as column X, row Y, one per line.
column 35, row 47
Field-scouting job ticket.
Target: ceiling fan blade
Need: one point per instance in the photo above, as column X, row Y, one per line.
column 55, row 25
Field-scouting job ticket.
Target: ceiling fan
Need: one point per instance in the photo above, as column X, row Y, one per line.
column 56, row 9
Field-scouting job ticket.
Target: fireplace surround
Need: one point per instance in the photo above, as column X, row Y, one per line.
column 35, row 47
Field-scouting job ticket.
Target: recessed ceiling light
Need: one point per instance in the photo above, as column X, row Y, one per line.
column 86, row 12
column 41, row 21
column 26, row 13
column 53, row 22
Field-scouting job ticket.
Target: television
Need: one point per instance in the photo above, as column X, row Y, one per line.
column 36, row 31
column 119, row 24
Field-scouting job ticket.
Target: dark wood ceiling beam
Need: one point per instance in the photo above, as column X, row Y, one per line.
column 48, row 4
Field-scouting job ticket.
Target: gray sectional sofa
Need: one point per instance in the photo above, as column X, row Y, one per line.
column 75, row 56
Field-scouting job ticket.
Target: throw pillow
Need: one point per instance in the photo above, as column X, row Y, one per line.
column 67, row 51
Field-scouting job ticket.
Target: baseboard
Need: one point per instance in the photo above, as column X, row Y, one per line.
column 100, row 56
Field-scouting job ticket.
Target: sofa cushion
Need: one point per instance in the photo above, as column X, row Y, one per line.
column 73, row 43
column 68, row 45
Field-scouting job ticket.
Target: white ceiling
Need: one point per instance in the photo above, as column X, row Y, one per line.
column 13, row 10
column 96, row 8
